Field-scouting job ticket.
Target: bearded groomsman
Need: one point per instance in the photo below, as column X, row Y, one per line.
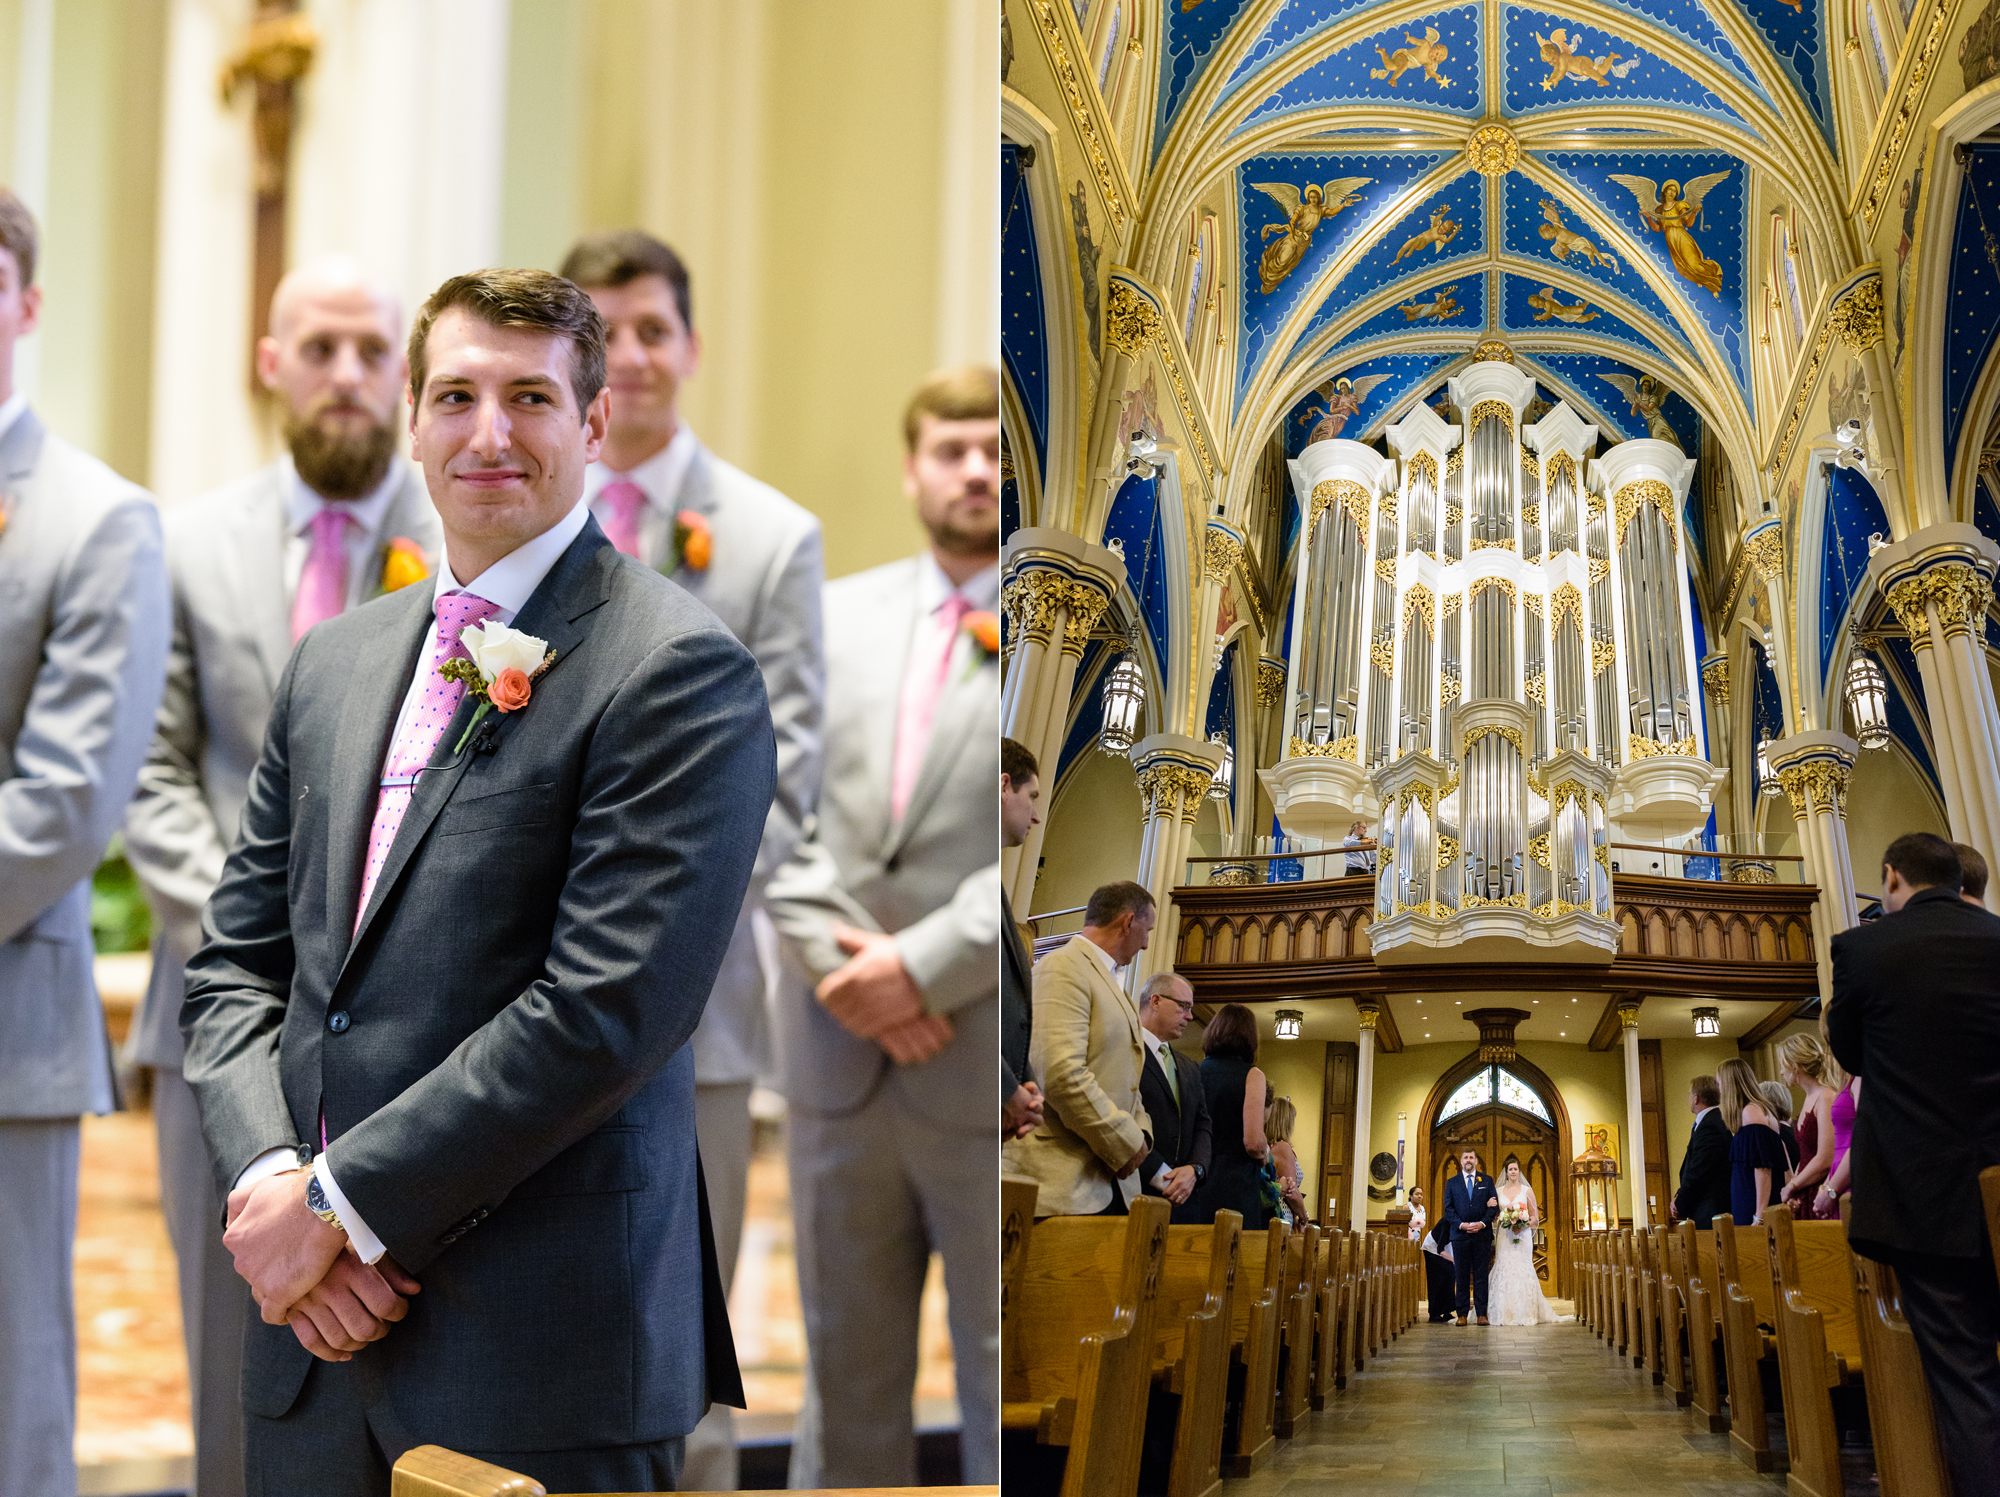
column 337, row 520
column 83, row 650
column 754, row 557
column 892, row 905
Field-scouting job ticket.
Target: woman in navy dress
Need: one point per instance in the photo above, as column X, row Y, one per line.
column 1758, row 1165
column 1235, row 1089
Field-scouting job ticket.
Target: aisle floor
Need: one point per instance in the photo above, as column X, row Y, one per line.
column 1461, row 1411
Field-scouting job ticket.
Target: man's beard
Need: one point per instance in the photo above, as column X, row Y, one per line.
column 340, row 466
column 954, row 537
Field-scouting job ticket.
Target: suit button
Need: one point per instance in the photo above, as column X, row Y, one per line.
column 338, row 1021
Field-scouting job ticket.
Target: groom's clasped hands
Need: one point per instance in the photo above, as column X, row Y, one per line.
column 303, row 1273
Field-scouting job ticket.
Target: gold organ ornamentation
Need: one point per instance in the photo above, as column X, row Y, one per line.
column 1645, row 748
column 1491, row 408
column 1566, row 600
column 1270, row 683
column 1447, row 851
column 1766, row 550
column 1647, row 491
column 1348, row 748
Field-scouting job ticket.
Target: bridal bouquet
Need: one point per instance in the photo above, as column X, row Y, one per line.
column 1513, row 1218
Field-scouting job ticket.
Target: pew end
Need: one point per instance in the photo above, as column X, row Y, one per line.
column 433, row 1471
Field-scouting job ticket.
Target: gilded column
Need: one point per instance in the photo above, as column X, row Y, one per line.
column 1815, row 770
column 1765, row 545
column 1364, row 1112
column 1174, row 773
column 1635, row 1114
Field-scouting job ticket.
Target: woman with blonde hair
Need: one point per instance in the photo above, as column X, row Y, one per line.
column 1804, row 1063
column 1778, row 1103
column 1757, row 1163
column 1280, row 1114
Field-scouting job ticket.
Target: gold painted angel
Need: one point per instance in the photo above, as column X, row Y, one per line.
column 1645, row 396
column 1565, row 241
column 1304, row 212
column 1669, row 211
column 1343, row 398
column 1441, row 232
column 1548, row 303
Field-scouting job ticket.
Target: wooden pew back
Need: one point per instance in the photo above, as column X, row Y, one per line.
column 1017, row 1222
column 1257, row 1331
column 1909, row 1457
column 1198, row 1285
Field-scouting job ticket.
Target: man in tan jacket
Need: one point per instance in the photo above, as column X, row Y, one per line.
column 1089, row 1055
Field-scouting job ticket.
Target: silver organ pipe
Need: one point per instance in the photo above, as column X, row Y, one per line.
column 1655, row 667
column 1452, row 504
column 1603, row 642
column 1328, row 662
column 1380, row 745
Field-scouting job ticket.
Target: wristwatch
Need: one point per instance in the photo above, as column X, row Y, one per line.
column 1200, row 1174
column 320, row 1206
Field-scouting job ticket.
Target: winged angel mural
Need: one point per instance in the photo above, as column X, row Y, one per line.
column 1343, row 397
column 1669, row 211
column 1304, row 213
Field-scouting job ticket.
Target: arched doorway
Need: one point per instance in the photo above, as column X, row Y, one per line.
column 1504, row 1110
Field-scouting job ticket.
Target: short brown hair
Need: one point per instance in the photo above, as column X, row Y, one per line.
column 1973, row 862
column 1017, row 763
column 1925, row 861
column 519, row 298
column 1110, row 901
column 621, row 257
column 1232, row 1032
column 1705, row 1091
column 18, row 234
column 970, row 392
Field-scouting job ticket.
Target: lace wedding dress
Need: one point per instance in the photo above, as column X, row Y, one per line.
column 1513, row 1291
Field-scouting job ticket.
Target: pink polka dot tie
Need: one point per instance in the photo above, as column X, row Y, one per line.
column 418, row 737
column 622, row 502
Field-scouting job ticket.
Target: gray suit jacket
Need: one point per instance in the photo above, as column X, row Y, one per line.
column 500, row 1050
column 83, row 650
column 933, row 880
column 763, row 582
column 232, row 635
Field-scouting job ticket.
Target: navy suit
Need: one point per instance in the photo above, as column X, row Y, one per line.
column 1471, row 1252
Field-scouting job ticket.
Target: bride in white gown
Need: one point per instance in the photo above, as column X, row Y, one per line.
column 1513, row 1291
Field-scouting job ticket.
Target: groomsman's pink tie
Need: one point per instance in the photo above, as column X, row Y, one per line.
column 418, row 737
column 623, row 502
column 323, row 583
column 923, row 686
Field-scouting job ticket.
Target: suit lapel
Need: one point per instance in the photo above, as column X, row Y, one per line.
column 255, row 560
column 950, row 728
column 897, row 610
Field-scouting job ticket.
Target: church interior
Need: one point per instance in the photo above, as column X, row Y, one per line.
column 1502, row 513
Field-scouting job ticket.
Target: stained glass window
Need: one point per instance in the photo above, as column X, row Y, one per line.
column 1516, row 1093
column 1476, row 1092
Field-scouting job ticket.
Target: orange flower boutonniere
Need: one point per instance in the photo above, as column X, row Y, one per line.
column 984, row 628
column 694, row 542
column 403, row 563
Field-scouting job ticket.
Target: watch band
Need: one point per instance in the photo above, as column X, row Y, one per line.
column 320, row 1206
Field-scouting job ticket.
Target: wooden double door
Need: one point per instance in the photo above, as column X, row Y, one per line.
column 1498, row 1133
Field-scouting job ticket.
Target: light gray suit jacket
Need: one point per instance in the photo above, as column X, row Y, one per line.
column 84, row 621
column 232, row 634
column 933, row 880
column 763, row 582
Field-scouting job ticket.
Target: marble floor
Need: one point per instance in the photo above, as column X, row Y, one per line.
column 1498, row 1411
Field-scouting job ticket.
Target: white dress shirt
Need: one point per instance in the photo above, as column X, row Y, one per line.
column 10, row 411
column 364, row 537
column 509, row 582
column 981, row 591
column 659, row 478
column 1697, row 1120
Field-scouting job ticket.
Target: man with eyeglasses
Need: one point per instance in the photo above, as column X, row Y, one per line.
column 1170, row 1084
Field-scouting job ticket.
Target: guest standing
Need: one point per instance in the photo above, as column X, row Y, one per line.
column 1090, row 1052
column 337, row 521
column 1281, row 1115
column 1020, row 1096
column 1440, row 1278
column 1170, row 1086
column 1804, row 1063
column 85, row 620
column 1972, row 867
column 1419, row 1218
column 1916, row 1012
column 1705, row 1169
column 1826, row 1205
column 1757, row 1161
column 752, row 556
column 1235, row 1089
column 892, row 904
column 1362, row 859
column 1778, row 1103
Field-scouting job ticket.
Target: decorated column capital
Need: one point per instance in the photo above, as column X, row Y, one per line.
column 1223, row 548
column 1367, row 1013
column 1958, row 590
column 1856, row 318
column 1765, row 546
column 1628, row 1013
column 1715, row 676
column 1174, row 773
column 1815, row 768
column 1270, row 681
column 1050, row 571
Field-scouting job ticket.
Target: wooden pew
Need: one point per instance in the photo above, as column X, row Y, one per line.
column 1909, row 1457
column 1295, row 1350
column 1819, row 1344
column 1747, row 1304
column 1989, row 1188
column 433, row 1471
column 1326, row 1319
column 1257, row 1329
column 1702, row 1278
column 1086, row 1303
column 1345, row 1358
column 1645, row 1286
column 1017, row 1223
column 1618, row 1320
column 1674, row 1341
column 1583, row 1256
column 1359, row 1346
column 1193, row 1326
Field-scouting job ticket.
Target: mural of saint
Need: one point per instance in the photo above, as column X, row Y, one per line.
column 1645, row 396
column 1304, row 213
column 1343, row 398
column 1086, row 263
column 1913, row 192
column 1670, row 212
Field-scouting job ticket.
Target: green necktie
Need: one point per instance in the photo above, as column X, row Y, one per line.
column 1166, row 1059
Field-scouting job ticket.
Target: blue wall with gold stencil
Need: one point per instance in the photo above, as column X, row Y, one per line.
column 1604, row 68
column 1451, row 85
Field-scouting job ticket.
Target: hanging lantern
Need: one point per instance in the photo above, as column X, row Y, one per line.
column 1767, row 777
column 1124, row 700
column 1868, row 702
column 1288, row 1023
column 1707, row 1023
column 1222, row 786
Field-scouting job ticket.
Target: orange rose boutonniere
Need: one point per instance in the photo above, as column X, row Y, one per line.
column 694, row 542
column 403, row 563
column 984, row 628
column 501, row 672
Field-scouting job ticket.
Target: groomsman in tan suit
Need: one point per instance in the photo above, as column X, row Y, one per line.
column 1089, row 1053
column 335, row 521
column 754, row 557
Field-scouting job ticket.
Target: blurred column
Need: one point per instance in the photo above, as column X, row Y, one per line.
column 1174, row 774
column 1815, row 769
column 1367, row 1013
column 1635, row 1116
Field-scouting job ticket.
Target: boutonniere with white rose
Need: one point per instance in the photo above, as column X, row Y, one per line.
column 504, row 666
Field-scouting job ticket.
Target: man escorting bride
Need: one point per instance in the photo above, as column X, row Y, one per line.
column 1514, row 1289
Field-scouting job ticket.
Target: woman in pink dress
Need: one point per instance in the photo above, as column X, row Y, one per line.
column 1826, row 1205
column 1804, row 1063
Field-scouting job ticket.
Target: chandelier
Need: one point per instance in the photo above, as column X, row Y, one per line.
column 1222, row 786
column 1767, row 777
column 1124, row 701
column 1288, row 1023
column 1868, row 702
column 1707, row 1023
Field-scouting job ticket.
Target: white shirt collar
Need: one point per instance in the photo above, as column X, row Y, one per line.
column 659, row 477
column 512, row 580
column 10, row 410
column 981, row 590
column 1155, row 1044
column 302, row 503
column 1702, row 1114
column 1102, row 956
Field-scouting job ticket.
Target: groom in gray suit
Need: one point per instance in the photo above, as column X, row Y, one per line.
column 438, row 1026
column 83, row 650
column 756, row 564
column 336, row 522
column 892, row 907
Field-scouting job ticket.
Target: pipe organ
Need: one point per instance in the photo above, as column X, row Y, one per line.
column 1492, row 659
